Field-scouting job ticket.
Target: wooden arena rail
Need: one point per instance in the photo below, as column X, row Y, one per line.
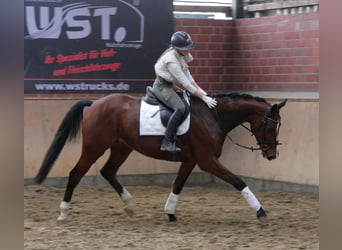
column 281, row 5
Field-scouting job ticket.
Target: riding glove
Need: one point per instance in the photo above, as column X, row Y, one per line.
column 211, row 102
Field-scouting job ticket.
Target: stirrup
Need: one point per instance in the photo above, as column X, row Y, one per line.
column 170, row 147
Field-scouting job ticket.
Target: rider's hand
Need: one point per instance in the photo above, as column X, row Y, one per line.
column 211, row 102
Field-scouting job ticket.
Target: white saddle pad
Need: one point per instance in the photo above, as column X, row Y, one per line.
column 150, row 123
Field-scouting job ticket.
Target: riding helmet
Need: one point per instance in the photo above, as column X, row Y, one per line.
column 182, row 41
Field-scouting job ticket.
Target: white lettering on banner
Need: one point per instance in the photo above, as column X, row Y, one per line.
column 82, row 86
column 105, row 14
column 51, row 28
column 44, row 22
column 84, row 25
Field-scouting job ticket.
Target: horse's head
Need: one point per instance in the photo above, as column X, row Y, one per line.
column 266, row 129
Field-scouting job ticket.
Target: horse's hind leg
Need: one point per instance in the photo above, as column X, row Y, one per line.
column 87, row 158
column 177, row 186
column 217, row 169
column 119, row 153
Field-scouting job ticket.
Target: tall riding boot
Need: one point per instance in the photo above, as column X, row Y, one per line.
column 168, row 143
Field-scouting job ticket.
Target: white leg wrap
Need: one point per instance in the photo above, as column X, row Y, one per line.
column 126, row 197
column 170, row 204
column 64, row 207
column 251, row 199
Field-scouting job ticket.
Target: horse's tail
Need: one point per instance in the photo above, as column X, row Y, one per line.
column 68, row 129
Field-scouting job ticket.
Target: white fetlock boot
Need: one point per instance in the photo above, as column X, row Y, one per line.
column 64, row 207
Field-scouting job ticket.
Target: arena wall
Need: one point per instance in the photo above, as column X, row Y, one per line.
column 272, row 57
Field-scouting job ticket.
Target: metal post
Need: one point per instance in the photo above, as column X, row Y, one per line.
column 238, row 11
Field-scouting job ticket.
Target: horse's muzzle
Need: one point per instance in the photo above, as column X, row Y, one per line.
column 270, row 155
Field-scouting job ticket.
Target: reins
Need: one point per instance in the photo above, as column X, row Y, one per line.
column 262, row 124
column 242, row 146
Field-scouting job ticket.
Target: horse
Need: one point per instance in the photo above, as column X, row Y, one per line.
column 112, row 123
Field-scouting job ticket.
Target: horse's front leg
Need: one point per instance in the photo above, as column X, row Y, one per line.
column 216, row 168
column 177, row 186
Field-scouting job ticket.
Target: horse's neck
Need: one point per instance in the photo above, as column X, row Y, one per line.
column 200, row 110
column 235, row 114
column 228, row 115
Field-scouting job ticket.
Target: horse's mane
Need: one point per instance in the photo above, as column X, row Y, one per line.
column 235, row 95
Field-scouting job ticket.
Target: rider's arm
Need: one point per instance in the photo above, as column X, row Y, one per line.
column 189, row 76
column 179, row 75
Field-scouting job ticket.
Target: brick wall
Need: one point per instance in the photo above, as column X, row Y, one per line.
column 213, row 64
column 277, row 53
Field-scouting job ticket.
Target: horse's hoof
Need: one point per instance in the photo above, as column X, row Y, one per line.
column 263, row 220
column 129, row 211
column 61, row 218
column 262, row 217
column 172, row 217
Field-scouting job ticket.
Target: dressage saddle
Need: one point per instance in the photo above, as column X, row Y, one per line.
column 165, row 111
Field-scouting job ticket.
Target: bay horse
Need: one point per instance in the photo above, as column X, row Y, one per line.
column 112, row 122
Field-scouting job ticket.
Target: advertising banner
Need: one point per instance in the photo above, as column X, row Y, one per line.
column 94, row 46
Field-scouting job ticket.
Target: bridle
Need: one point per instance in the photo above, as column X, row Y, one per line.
column 263, row 144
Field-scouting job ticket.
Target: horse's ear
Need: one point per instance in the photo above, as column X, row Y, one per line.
column 282, row 104
column 277, row 107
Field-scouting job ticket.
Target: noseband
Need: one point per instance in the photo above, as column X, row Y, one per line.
column 263, row 144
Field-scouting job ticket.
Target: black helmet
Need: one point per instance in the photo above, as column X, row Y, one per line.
column 182, row 41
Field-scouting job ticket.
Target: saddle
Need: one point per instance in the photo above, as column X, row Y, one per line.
column 165, row 111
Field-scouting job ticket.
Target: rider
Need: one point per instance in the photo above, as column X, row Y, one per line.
column 171, row 68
